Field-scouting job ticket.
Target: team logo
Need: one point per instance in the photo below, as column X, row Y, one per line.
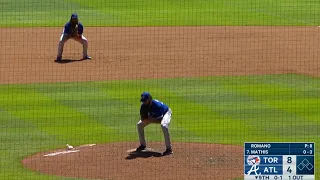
column 253, row 160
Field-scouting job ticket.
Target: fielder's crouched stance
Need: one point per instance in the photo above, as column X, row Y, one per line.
column 73, row 30
column 154, row 111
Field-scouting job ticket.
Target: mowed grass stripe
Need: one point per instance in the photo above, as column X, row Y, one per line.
column 50, row 116
column 23, row 13
column 237, row 114
column 44, row 13
column 88, row 99
column 264, row 92
column 18, row 140
column 203, row 12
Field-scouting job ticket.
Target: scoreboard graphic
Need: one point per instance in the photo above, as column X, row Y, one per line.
column 279, row 161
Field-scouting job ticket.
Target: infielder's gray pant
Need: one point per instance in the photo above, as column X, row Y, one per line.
column 164, row 126
column 64, row 38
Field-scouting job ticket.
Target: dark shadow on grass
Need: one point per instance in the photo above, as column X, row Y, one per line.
column 143, row 154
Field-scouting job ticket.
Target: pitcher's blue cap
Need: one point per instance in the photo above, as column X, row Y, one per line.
column 145, row 96
column 74, row 16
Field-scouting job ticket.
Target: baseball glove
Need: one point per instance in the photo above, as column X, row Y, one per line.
column 74, row 31
column 144, row 112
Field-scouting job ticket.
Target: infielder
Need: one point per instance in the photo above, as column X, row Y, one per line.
column 154, row 111
column 74, row 30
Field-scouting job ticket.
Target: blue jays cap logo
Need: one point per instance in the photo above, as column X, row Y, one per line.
column 145, row 96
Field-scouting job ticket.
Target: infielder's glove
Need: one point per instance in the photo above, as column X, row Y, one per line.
column 144, row 110
column 74, row 31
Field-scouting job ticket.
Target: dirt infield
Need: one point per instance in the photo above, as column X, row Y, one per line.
column 155, row 52
column 112, row 161
column 27, row 56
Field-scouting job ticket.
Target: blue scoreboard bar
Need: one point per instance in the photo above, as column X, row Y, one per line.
column 279, row 161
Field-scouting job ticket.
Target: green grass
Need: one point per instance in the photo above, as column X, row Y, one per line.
column 159, row 13
column 228, row 110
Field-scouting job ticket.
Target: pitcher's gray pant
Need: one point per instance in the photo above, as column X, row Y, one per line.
column 64, row 38
column 165, row 122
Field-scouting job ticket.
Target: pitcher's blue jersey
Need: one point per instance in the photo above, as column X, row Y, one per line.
column 67, row 28
column 158, row 109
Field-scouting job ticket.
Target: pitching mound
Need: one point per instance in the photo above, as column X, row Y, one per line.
column 118, row 161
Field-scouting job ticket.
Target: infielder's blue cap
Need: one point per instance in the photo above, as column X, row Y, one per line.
column 74, row 16
column 145, row 96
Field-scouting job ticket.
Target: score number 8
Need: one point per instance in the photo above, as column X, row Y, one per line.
column 289, row 160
